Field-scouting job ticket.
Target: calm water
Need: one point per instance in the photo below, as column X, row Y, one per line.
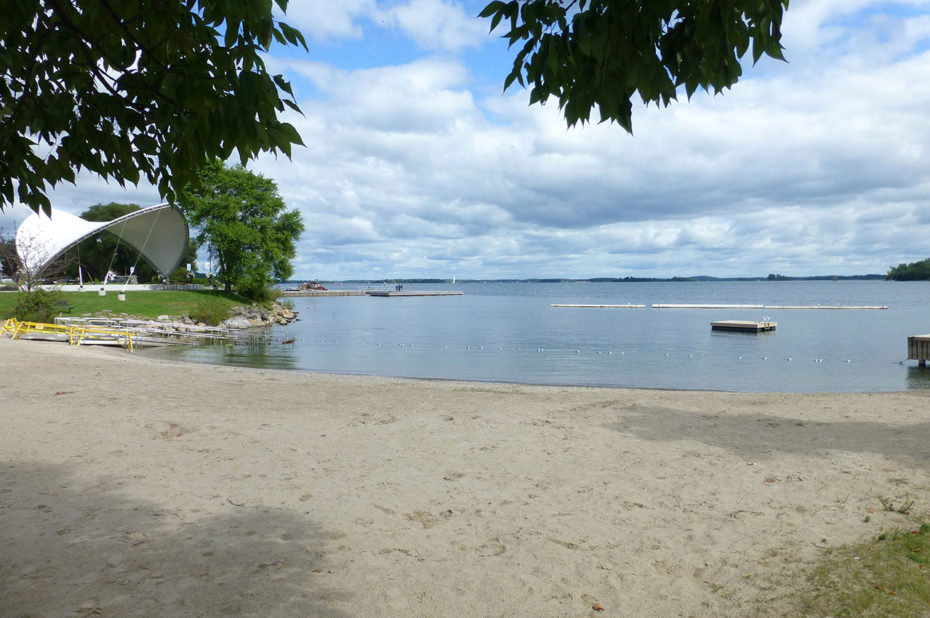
column 509, row 332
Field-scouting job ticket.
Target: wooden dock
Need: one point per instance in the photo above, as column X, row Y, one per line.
column 743, row 326
column 918, row 348
column 405, row 293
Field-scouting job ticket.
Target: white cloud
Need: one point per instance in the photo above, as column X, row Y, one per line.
column 325, row 19
column 438, row 25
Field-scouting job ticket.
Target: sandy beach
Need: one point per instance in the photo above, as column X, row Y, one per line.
column 134, row 487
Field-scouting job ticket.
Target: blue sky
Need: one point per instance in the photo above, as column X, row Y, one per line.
column 418, row 165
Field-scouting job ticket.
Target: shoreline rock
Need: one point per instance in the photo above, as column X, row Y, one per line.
column 254, row 317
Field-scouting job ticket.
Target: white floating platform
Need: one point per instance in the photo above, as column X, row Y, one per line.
column 743, row 326
column 395, row 293
column 688, row 306
column 674, row 306
column 600, row 306
column 826, row 307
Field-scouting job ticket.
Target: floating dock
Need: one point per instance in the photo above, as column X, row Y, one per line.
column 404, row 293
column 600, row 306
column 705, row 306
column 918, row 348
column 833, row 307
column 743, row 326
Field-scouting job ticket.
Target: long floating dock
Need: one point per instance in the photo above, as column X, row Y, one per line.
column 878, row 307
column 600, row 306
column 705, row 306
column 743, row 326
column 702, row 306
column 396, row 293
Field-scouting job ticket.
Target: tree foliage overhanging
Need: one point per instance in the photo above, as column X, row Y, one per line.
column 242, row 219
column 600, row 53
column 147, row 88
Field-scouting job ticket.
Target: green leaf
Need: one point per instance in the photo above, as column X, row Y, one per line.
column 161, row 119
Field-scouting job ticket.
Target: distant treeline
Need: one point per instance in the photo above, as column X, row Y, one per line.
column 772, row 277
column 915, row 271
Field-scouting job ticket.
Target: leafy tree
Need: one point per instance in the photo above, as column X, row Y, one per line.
column 104, row 252
column 148, row 88
column 600, row 53
column 242, row 218
column 8, row 262
column 915, row 271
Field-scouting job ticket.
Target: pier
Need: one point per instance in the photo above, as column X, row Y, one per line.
column 404, row 293
column 918, row 348
column 743, row 326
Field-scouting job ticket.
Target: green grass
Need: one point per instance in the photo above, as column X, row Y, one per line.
column 147, row 304
column 888, row 575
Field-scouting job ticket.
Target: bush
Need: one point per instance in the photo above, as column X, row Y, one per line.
column 39, row 305
column 210, row 311
column 257, row 290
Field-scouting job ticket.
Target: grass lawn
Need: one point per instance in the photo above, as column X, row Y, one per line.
column 888, row 575
column 143, row 304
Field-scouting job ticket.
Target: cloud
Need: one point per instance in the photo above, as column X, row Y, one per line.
column 439, row 26
column 785, row 169
column 325, row 20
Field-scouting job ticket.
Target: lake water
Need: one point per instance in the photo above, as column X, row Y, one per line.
column 509, row 332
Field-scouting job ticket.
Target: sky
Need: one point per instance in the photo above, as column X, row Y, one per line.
column 418, row 164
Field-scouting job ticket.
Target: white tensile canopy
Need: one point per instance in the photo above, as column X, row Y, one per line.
column 158, row 233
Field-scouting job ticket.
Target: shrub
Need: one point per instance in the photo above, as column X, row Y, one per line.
column 210, row 311
column 39, row 305
column 257, row 291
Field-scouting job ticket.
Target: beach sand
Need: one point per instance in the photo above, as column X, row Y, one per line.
column 135, row 487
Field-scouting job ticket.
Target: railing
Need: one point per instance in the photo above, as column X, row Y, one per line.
column 74, row 335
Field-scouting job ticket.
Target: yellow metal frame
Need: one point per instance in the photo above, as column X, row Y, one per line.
column 76, row 334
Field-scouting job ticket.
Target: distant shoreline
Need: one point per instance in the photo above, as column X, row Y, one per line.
column 693, row 279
